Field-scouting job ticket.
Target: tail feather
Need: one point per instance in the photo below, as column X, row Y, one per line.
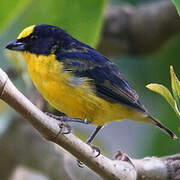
column 162, row 127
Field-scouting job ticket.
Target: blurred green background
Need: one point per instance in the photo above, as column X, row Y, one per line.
column 20, row 145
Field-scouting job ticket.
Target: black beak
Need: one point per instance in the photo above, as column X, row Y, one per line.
column 16, row 45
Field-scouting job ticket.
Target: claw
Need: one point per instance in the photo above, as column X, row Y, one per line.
column 68, row 127
column 61, row 125
column 95, row 148
column 48, row 114
column 80, row 164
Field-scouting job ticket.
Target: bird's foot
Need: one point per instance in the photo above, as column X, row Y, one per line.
column 65, row 118
column 95, row 149
column 80, row 164
column 55, row 116
column 66, row 126
column 62, row 125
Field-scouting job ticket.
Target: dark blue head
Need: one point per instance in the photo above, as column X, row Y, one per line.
column 42, row 39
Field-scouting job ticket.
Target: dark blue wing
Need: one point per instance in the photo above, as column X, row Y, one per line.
column 109, row 82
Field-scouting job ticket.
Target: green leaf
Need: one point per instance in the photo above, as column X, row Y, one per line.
column 9, row 10
column 82, row 19
column 177, row 4
column 175, row 84
column 163, row 91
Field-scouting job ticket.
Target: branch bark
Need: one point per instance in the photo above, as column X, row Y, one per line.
column 138, row 30
column 49, row 128
column 151, row 168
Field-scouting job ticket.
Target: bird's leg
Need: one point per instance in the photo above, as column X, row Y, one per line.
column 52, row 115
column 66, row 119
column 91, row 137
column 88, row 141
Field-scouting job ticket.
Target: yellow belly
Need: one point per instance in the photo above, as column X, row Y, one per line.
column 75, row 101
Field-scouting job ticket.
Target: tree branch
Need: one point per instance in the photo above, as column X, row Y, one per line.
column 151, row 168
column 49, row 128
column 167, row 167
column 139, row 30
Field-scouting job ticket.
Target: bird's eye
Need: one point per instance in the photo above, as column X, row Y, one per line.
column 33, row 37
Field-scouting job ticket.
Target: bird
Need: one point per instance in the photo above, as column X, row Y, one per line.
column 79, row 81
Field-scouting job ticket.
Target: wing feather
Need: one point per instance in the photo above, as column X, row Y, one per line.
column 109, row 82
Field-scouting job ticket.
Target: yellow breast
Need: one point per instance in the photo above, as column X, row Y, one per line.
column 78, row 101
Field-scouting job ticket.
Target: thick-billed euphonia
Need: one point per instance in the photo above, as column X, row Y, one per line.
column 77, row 80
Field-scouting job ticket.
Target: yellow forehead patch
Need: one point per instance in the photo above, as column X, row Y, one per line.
column 26, row 32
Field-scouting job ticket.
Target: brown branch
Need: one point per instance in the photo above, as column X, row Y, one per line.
column 148, row 168
column 139, row 30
